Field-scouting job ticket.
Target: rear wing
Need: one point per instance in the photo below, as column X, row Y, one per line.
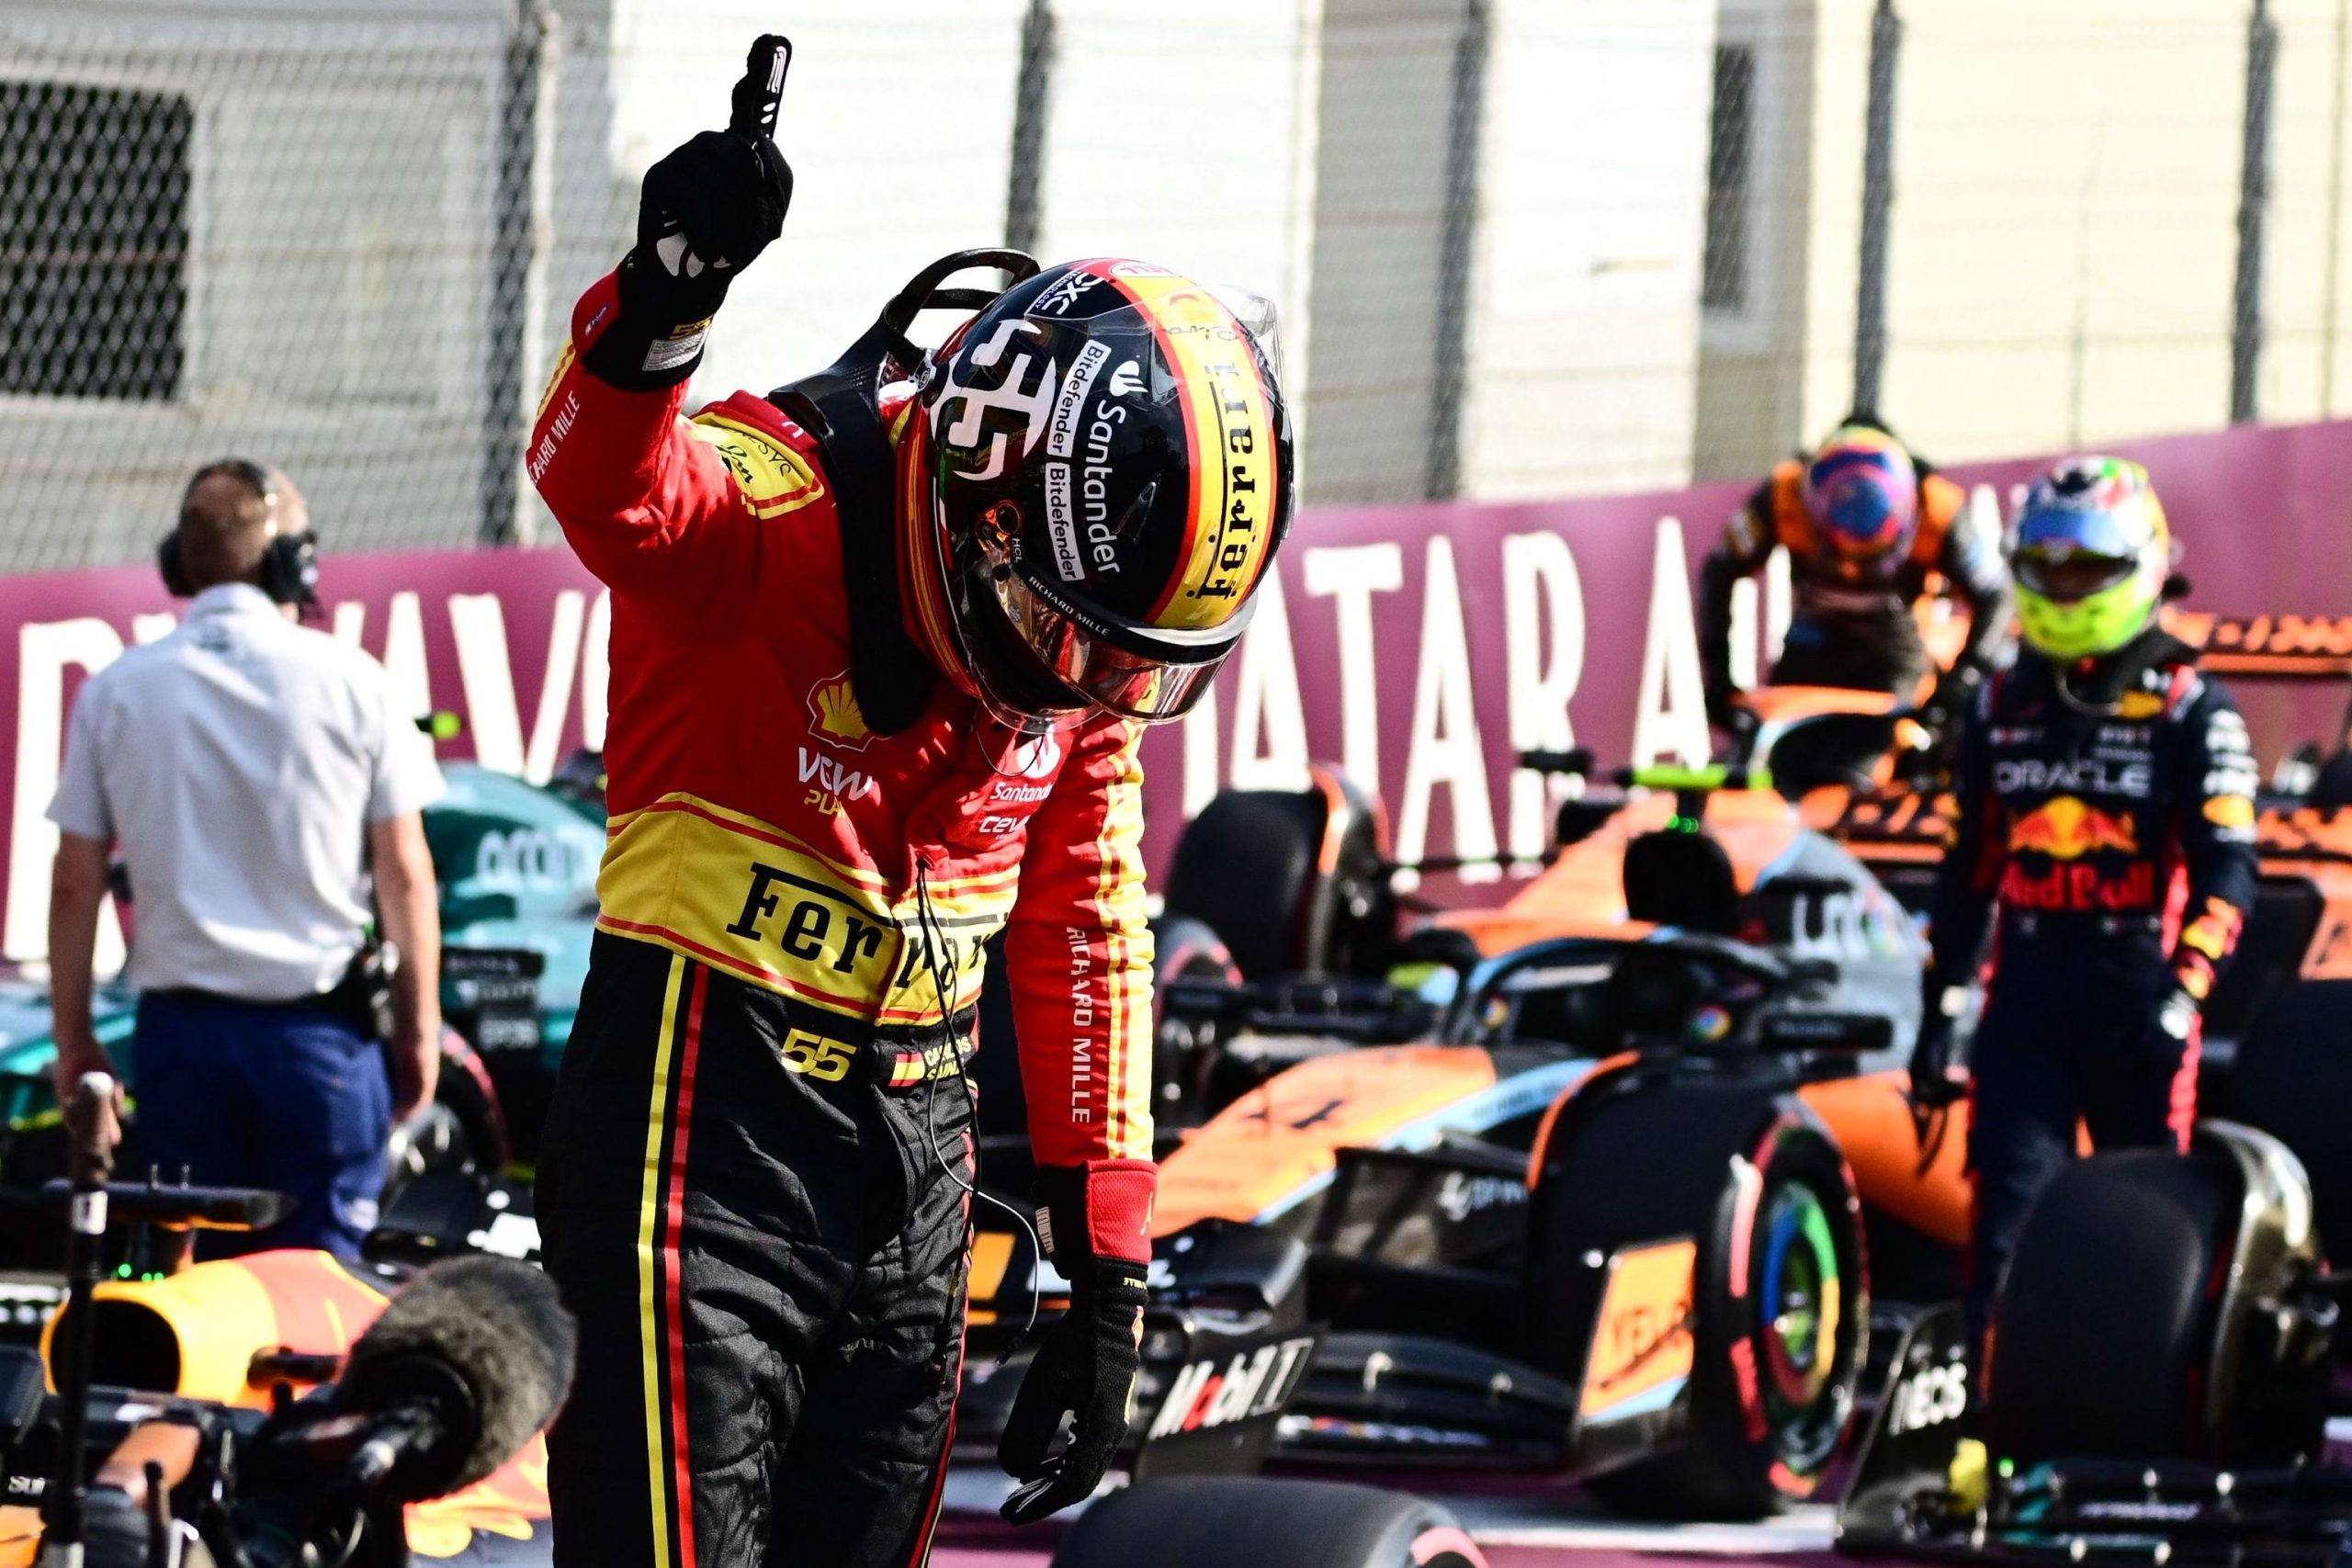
column 2307, row 648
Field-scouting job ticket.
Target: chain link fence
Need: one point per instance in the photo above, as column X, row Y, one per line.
column 1522, row 247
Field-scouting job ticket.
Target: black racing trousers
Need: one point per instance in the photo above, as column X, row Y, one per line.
column 1870, row 655
column 2068, row 1040
column 767, row 1266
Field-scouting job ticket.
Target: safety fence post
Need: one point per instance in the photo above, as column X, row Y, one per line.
column 1457, row 229
column 521, row 174
column 2254, row 207
column 1031, row 103
column 1878, row 204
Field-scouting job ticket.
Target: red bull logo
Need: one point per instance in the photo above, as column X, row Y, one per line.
column 2064, row 827
column 2080, row 889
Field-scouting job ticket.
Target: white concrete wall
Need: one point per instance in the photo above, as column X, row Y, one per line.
column 1382, row 140
column 2062, row 250
column 898, row 125
column 1750, row 393
column 2064, row 234
column 1184, row 135
column 2064, row 239
column 2307, row 354
column 1583, row 343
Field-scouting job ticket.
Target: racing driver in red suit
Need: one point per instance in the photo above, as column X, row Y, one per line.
column 883, row 643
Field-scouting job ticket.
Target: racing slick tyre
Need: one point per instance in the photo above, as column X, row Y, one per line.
column 2103, row 1319
column 1184, row 1048
column 1780, row 1308
column 1293, row 882
column 2292, row 1078
column 1252, row 1522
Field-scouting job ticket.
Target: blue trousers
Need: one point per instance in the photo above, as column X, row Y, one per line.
column 245, row 1095
column 2068, row 1039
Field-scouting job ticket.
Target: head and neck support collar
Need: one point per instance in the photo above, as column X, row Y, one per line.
column 841, row 406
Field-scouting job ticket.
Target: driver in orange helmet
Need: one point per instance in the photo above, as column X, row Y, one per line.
column 1870, row 530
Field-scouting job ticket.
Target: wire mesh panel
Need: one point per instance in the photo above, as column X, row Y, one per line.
column 1518, row 247
column 2065, row 234
column 224, row 230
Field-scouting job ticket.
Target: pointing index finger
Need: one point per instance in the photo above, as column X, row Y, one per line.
column 752, row 115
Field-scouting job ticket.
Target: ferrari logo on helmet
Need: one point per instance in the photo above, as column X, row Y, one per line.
column 833, row 714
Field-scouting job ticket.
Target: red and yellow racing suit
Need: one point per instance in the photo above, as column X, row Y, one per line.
column 753, row 1178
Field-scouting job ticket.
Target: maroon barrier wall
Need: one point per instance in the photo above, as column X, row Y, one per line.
column 513, row 640
column 1421, row 646
column 2264, row 516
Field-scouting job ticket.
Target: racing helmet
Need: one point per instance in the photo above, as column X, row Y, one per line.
column 1861, row 490
column 1094, row 474
column 2090, row 552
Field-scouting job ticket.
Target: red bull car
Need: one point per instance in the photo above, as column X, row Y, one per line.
column 2165, row 1370
column 216, row 1372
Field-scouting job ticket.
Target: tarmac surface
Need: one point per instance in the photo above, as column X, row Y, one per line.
column 1519, row 1523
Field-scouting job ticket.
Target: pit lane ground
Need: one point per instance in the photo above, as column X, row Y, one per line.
column 1521, row 1524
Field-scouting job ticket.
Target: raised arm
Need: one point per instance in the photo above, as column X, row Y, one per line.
column 647, row 505
column 1748, row 543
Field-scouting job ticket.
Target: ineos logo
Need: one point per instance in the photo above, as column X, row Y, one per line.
column 1928, row 1398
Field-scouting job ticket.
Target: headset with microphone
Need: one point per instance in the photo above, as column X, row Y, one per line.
column 288, row 571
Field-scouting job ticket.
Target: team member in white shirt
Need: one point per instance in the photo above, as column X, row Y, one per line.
column 250, row 772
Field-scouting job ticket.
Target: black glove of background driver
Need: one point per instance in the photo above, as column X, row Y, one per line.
column 1935, row 1079
column 705, row 213
column 1085, row 1372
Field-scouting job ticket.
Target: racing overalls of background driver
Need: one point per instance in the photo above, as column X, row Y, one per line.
column 760, row 1136
column 2114, row 857
column 1852, row 622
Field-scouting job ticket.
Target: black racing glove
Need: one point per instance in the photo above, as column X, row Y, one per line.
column 1935, row 1079
column 1723, row 711
column 1084, row 1374
column 1947, row 704
column 705, row 213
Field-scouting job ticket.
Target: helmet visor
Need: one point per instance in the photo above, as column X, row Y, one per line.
column 2068, row 575
column 1090, row 660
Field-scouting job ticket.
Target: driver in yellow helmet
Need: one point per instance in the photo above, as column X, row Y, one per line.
column 2106, row 801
